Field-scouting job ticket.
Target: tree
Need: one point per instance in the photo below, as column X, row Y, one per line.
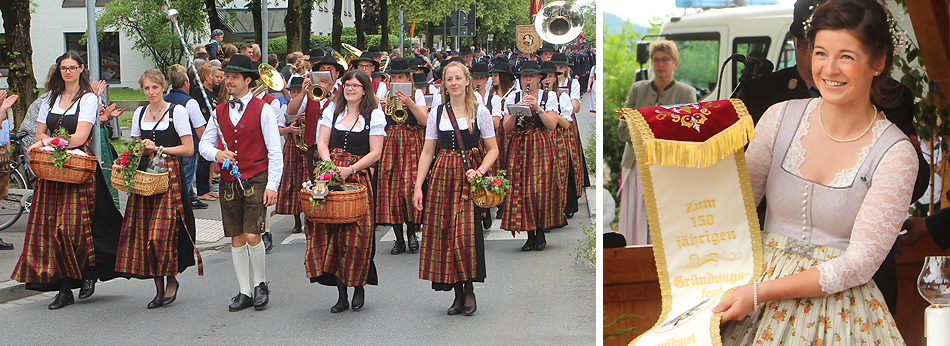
column 255, row 7
column 292, row 25
column 589, row 12
column 358, row 24
column 370, row 17
column 384, row 24
column 145, row 24
column 214, row 22
column 337, row 24
column 19, row 50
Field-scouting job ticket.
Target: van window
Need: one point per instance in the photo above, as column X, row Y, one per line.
column 697, row 62
column 786, row 58
column 756, row 47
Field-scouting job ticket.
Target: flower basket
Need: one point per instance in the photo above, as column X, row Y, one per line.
column 485, row 198
column 339, row 207
column 77, row 169
column 146, row 184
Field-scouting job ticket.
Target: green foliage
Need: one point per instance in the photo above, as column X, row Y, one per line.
column 586, row 250
column 494, row 183
column 278, row 45
column 145, row 24
column 496, row 18
column 590, row 152
column 590, row 23
column 128, row 161
column 619, row 331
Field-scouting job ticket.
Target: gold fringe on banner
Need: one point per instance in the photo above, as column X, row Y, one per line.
column 691, row 154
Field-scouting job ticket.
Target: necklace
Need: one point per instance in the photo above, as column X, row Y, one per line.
column 822, row 124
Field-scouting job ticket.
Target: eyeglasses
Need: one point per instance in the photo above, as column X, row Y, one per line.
column 68, row 68
column 664, row 60
column 352, row 86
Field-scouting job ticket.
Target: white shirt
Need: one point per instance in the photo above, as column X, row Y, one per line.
column 208, row 147
column 485, row 124
column 279, row 111
column 194, row 114
column 381, row 92
column 550, row 106
column 567, row 108
column 436, row 96
column 88, row 106
column 182, row 123
column 377, row 121
column 575, row 92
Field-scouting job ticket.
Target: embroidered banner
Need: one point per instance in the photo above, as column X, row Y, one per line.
column 701, row 214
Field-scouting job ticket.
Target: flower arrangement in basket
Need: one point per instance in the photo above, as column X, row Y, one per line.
column 55, row 162
column 489, row 190
column 127, row 177
column 129, row 158
column 338, row 202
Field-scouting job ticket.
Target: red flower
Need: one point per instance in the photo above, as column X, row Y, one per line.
column 125, row 161
column 496, row 182
column 126, row 154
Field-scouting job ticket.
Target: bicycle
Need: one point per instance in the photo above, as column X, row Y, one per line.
column 20, row 194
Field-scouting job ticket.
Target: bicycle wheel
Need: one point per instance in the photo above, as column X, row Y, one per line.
column 12, row 207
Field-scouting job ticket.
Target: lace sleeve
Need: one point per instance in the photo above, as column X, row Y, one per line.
column 878, row 221
column 759, row 155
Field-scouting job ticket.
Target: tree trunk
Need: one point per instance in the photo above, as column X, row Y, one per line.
column 305, row 23
column 19, row 50
column 384, row 25
column 430, row 32
column 360, row 34
column 213, row 20
column 292, row 25
column 337, row 24
column 255, row 6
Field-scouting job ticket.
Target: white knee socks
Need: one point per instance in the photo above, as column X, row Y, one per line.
column 257, row 255
column 241, row 261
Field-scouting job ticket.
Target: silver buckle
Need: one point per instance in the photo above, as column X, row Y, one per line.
column 800, row 248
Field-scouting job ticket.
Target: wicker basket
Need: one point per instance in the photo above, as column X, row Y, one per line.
column 339, row 207
column 146, row 184
column 76, row 170
column 486, row 199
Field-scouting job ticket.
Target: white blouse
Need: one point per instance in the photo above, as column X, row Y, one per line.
column 377, row 121
column 485, row 124
column 182, row 123
column 88, row 106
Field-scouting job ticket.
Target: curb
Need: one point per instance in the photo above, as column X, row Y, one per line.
column 591, row 194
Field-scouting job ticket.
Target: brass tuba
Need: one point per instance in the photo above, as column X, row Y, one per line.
column 559, row 22
column 394, row 106
column 270, row 78
column 352, row 53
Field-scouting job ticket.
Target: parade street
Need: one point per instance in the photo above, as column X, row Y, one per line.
column 528, row 298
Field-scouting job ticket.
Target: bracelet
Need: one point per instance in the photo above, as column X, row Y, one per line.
column 354, row 169
column 482, row 170
column 755, row 295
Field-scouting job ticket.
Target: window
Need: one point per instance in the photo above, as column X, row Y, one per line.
column 108, row 53
column 786, row 58
column 756, row 47
column 695, row 66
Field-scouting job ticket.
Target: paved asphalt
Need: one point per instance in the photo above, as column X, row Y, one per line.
column 531, row 298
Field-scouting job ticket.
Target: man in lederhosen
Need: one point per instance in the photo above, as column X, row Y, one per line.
column 249, row 128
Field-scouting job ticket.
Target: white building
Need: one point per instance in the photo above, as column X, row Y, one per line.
column 58, row 25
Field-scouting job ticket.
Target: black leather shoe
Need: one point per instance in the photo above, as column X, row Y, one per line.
column 486, row 220
column 199, row 205
column 568, row 215
column 62, row 299
column 268, row 240
column 454, row 311
column 240, row 302
column 169, row 300
column 540, row 243
column 398, row 248
column 87, row 289
column 470, row 310
column 261, row 296
column 5, row 246
column 340, row 307
column 528, row 245
column 413, row 242
column 296, row 231
column 155, row 303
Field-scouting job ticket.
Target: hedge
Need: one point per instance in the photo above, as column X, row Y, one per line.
column 278, row 45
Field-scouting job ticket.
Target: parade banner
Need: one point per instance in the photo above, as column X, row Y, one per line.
column 700, row 210
column 528, row 40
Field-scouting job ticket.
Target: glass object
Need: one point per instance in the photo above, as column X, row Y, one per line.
column 934, row 281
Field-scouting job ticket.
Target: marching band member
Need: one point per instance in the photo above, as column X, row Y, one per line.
column 504, row 84
column 157, row 232
column 249, row 127
column 561, row 135
column 399, row 160
column 577, row 177
column 351, row 136
column 73, row 229
column 295, row 164
column 480, row 74
column 366, row 63
column 532, row 201
column 453, row 245
column 282, row 129
column 313, row 110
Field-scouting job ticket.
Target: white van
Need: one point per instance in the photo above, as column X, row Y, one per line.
column 706, row 39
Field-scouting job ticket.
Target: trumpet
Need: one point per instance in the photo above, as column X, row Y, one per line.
column 395, row 109
column 316, row 92
column 383, row 65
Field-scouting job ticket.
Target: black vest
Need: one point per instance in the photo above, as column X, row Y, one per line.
column 410, row 120
column 168, row 137
column 535, row 117
column 55, row 121
column 447, row 139
column 356, row 143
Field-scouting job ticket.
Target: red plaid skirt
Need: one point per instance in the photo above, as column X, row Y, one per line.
column 398, row 166
column 148, row 245
column 58, row 240
column 294, row 174
column 501, row 161
column 532, row 201
column 343, row 251
column 562, row 161
column 449, row 227
column 577, row 158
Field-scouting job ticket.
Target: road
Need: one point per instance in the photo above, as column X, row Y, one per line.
column 529, row 298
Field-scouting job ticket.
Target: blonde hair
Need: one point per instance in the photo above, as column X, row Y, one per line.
column 301, row 67
column 665, row 46
column 471, row 103
column 204, row 72
column 155, row 76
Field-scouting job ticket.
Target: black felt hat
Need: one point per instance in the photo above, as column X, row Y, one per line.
column 503, row 68
column 329, row 60
column 531, row 67
column 420, row 80
column 374, row 50
column 398, row 65
column 465, row 50
column 480, row 70
column 415, row 63
column 242, row 63
column 549, row 67
column 366, row 56
column 316, row 54
column 296, row 83
column 546, row 47
column 560, row 59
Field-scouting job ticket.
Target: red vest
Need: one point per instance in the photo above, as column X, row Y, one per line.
column 268, row 98
column 311, row 117
column 250, row 151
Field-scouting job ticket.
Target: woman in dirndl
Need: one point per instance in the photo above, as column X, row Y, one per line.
column 453, row 244
column 532, row 202
column 158, row 230
column 73, row 230
column 838, row 177
column 399, row 160
column 570, row 89
column 351, row 136
column 503, row 84
column 561, row 137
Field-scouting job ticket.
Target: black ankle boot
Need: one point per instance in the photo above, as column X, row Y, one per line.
column 87, row 289
column 539, row 242
column 529, row 245
column 413, row 241
column 62, row 299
